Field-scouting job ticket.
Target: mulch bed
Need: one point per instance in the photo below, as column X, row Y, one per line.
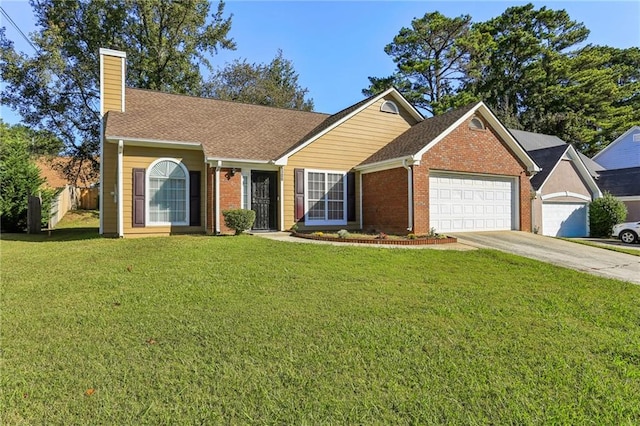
column 387, row 241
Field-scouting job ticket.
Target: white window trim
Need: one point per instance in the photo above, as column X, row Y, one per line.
column 147, row 197
column 312, row 222
column 245, row 193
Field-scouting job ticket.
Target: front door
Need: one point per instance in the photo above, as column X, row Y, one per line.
column 264, row 198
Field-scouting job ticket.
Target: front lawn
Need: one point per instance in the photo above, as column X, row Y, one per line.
column 209, row 330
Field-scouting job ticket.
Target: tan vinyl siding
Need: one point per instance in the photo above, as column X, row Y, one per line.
column 141, row 157
column 112, row 83
column 108, row 185
column 345, row 147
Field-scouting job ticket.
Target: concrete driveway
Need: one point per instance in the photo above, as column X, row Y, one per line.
column 594, row 260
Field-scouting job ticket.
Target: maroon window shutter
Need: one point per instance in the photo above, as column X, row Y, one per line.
column 138, row 197
column 299, row 194
column 194, row 198
column 351, row 197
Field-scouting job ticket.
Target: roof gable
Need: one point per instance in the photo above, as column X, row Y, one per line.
column 340, row 117
column 624, row 152
column 549, row 159
column 416, row 141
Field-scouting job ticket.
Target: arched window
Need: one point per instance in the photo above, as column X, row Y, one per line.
column 390, row 107
column 167, row 202
column 476, row 124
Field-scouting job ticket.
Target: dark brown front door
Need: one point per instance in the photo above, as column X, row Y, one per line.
column 264, row 198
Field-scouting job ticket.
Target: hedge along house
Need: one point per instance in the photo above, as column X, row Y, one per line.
column 173, row 164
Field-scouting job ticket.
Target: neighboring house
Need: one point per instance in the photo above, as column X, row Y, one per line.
column 622, row 153
column 71, row 193
column 173, row 164
column 563, row 188
column 621, row 175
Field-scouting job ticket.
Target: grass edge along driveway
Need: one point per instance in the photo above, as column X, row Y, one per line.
column 195, row 329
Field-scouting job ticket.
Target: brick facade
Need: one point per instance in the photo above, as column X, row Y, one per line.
column 462, row 150
column 384, row 201
column 230, row 196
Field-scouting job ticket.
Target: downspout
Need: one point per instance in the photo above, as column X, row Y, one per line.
column 410, row 194
column 281, row 198
column 120, row 190
column 217, row 197
column 206, row 194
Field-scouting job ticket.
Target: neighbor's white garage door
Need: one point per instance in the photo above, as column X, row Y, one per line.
column 564, row 219
column 460, row 203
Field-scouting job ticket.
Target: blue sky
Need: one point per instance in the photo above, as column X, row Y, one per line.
column 336, row 45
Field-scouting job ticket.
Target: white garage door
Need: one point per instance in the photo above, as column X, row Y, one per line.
column 564, row 219
column 461, row 203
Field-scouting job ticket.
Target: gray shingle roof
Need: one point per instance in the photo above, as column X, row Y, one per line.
column 418, row 136
column 224, row 129
column 546, row 158
column 620, row 182
column 532, row 141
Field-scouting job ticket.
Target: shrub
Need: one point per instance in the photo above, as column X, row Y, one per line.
column 20, row 178
column 343, row 233
column 412, row 236
column 605, row 212
column 239, row 219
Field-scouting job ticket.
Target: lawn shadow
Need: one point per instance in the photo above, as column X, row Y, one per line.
column 63, row 234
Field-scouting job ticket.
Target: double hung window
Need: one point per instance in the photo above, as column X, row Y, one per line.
column 326, row 197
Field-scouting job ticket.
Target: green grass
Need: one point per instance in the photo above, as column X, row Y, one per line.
column 195, row 329
column 619, row 249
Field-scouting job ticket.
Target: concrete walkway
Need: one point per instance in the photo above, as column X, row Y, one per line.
column 594, row 260
column 581, row 257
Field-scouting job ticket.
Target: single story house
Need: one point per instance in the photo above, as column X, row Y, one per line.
column 563, row 188
column 174, row 163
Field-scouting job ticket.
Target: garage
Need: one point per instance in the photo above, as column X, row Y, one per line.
column 565, row 219
column 466, row 202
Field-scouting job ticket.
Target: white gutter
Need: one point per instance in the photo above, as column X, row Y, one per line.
column 120, row 191
column 217, row 198
column 410, row 194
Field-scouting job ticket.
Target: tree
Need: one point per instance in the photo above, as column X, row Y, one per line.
column 596, row 100
column 432, row 59
column 527, row 50
column 274, row 84
column 57, row 89
column 40, row 142
column 20, row 178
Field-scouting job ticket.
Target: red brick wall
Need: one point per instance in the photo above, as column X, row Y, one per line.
column 384, row 201
column 230, row 197
column 473, row 151
column 463, row 150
